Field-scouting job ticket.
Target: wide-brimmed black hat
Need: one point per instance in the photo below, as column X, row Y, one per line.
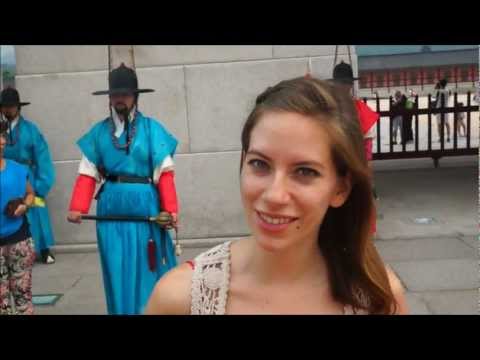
column 122, row 80
column 10, row 97
column 343, row 73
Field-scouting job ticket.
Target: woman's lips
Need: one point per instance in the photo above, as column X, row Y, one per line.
column 273, row 223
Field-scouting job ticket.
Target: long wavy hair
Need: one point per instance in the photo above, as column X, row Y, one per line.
column 356, row 272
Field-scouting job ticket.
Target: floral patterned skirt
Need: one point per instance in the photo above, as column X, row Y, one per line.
column 16, row 262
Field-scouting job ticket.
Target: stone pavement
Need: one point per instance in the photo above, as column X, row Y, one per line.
column 437, row 262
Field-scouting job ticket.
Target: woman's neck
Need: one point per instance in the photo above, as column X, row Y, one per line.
column 2, row 163
column 297, row 263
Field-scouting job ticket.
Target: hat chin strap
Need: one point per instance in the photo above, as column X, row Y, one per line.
column 126, row 121
column 10, row 131
column 131, row 113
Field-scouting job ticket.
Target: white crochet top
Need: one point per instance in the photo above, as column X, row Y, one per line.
column 211, row 281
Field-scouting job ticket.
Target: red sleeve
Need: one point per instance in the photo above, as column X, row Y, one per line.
column 168, row 193
column 367, row 116
column 82, row 194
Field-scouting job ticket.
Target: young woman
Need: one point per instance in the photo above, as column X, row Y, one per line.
column 307, row 196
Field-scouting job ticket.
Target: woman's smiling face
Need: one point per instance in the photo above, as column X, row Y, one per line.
column 288, row 180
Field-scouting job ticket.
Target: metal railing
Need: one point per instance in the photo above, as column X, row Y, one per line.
column 428, row 152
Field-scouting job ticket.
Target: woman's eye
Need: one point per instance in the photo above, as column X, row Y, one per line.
column 258, row 164
column 307, row 172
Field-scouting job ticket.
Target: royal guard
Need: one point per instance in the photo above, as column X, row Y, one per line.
column 343, row 77
column 132, row 155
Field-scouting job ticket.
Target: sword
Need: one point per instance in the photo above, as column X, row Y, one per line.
column 164, row 219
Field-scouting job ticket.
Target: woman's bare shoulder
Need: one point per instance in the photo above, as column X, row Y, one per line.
column 171, row 295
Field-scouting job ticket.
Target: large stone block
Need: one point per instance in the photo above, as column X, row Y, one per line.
column 89, row 289
column 434, row 275
column 68, row 265
column 168, row 103
column 208, row 191
column 472, row 241
column 121, row 54
column 53, row 284
column 47, row 59
column 443, row 194
column 282, row 51
column 424, row 249
column 159, row 55
column 85, row 296
column 415, row 304
column 63, row 107
column 452, row 302
column 221, row 96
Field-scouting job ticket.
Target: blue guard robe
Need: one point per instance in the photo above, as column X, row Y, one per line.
column 128, row 281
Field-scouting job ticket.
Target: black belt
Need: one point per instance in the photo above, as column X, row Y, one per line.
column 24, row 162
column 124, row 179
column 129, row 179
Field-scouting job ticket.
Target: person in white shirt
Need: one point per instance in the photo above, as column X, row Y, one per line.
column 441, row 100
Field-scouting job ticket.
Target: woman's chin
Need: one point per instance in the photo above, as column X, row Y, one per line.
column 271, row 243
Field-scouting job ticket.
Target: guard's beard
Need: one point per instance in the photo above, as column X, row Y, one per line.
column 10, row 116
column 122, row 110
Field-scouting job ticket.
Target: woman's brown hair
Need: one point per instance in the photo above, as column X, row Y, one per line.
column 357, row 274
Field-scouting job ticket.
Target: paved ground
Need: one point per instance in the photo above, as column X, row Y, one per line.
column 437, row 262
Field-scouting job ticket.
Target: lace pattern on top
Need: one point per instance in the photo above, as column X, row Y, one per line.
column 211, row 279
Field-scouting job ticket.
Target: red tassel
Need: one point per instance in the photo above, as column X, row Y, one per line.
column 151, row 255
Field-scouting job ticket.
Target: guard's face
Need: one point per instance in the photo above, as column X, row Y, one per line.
column 348, row 88
column 10, row 112
column 122, row 103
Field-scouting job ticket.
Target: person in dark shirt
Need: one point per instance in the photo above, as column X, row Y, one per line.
column 402, row 118
column 16, row 245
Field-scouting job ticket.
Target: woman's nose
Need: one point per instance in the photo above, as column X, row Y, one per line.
column 277, row 191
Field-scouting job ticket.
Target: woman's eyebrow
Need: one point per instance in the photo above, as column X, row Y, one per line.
column 310, row 163
column 301, row 163
column 256, row 152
